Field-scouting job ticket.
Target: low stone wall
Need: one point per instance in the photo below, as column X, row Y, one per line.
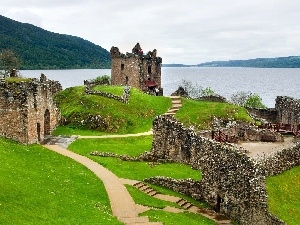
column 187, row 187
column 124, row 98
column 245, row 131
column 270, row 115
column 232, row 183
column 212, row 98
column 281, row 161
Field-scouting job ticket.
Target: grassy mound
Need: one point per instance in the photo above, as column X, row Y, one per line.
column 199, row 113
column 113, row 116
column 41, row 187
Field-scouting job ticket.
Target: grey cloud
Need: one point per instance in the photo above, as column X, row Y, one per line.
column 188, row 31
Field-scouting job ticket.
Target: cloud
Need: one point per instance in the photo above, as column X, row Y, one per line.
column 187, row 32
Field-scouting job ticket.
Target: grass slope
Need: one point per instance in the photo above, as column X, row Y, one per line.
column 135, row 117
column 41, row 187
column 284, row 195
column 199, row 113
column 128, row 169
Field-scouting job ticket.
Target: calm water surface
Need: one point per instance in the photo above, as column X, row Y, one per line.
column 267, row 82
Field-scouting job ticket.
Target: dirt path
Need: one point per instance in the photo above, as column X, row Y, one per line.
column 122, row 204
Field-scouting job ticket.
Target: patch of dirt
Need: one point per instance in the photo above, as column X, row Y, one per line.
column 264, row 148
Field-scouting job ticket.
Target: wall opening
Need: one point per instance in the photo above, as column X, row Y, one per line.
column 122, row 66
column 149, row 69
column 218, row 206
column 38, row 131
column 47, row 122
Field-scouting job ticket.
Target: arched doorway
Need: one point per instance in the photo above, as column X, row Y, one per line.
column 47, row 122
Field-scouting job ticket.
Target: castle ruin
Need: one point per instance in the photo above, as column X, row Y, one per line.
column 136, row 69
column 27, row 109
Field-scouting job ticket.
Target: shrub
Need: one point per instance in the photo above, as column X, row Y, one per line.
column 195, row 91
column 105, row 79
column 247, row 99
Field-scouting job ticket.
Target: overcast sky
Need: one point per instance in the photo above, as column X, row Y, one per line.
column 182, row 31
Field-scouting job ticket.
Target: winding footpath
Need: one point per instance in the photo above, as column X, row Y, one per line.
column 122, row 204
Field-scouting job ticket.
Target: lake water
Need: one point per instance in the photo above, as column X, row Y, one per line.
column 268, row 83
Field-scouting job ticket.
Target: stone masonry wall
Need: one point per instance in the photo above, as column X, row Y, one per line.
column 281, row 161
column 269, row 115
column 231, row 182
column 27, row 109
column 288, row 110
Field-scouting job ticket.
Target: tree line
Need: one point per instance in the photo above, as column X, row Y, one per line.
column 279, row 62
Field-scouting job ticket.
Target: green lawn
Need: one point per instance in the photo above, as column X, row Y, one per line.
column 42, row 187
column 284, row 195
column 131, row 170
column 132, row 146
column 177, row 218
column 161, row 216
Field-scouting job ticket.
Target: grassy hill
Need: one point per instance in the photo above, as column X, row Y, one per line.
column 198, row 113
column 113, row 116
column 42, row 49
column 137, row 116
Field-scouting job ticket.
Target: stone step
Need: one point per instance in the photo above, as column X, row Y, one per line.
column 139, row 184
column 173, row 109
column 176, row 106
column 184, row 204
column 145, row 188
column 169, row 114
column 175, row 97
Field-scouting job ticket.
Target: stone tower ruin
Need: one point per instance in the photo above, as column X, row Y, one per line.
column 27, row 109
column 136, row 69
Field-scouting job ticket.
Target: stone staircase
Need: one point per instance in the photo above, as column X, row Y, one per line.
column 186, row 205
column 176, row 104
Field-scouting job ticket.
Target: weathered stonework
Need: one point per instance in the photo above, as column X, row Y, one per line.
column 232, row 182
column 27, row 109
column 124, row 98
column 136, row 69
column 288, row 110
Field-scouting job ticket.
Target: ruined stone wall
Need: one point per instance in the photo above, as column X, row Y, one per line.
column 231, row 181
column 269, row 115
column 288, row 110
column 133, row 69
column 13, row 114
column 27, row 109
column 281, row 161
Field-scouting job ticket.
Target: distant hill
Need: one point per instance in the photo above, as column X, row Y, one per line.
column 174, row 65
column 279, row 62
column 41, row 49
